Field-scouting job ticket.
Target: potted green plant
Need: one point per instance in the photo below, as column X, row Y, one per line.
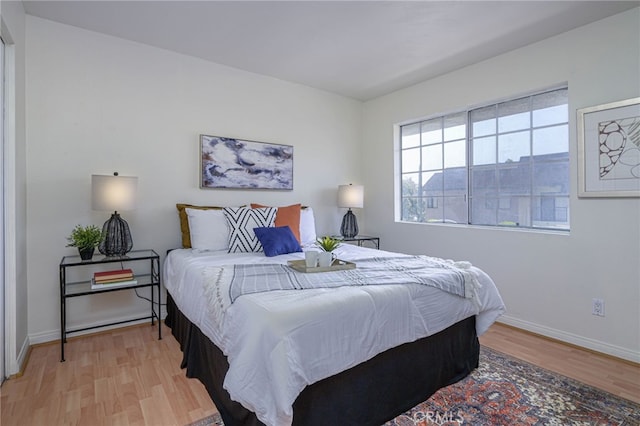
column 86, row 239
column 328, row 244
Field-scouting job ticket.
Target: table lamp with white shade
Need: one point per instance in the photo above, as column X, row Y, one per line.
column 114, row 193
column 350, row 196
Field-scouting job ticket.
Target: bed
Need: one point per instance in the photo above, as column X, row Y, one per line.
column 340, row 354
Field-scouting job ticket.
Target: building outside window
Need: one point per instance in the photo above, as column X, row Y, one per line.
column 504, row 164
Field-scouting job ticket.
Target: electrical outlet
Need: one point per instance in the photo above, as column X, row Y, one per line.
column 598, row 307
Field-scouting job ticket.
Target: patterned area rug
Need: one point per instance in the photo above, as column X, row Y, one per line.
column 508, row 391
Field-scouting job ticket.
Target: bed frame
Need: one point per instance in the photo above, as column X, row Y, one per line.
column 370, row 393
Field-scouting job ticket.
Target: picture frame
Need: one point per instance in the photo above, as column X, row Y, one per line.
column 609, row 149
column 230, row 163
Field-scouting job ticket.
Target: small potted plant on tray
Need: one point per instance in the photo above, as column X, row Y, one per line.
column 327, row 245
column 86, row 239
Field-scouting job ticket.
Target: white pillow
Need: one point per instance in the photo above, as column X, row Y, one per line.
column 307, row 227
column 242, row 220
column 208, row 229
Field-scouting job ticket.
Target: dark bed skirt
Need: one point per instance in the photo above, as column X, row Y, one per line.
column 370, row 393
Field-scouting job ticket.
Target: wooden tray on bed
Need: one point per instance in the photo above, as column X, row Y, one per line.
column 337, row 265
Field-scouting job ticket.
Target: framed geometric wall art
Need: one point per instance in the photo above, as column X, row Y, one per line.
column 609, row 149
column 241, row 164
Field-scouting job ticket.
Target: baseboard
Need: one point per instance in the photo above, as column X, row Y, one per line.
column 23, row 358
column 53, row 335
column 591, row 344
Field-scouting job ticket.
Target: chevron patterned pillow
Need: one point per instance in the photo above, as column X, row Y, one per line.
column 242, row 220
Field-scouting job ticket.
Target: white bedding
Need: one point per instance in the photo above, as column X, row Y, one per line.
column 278, row 342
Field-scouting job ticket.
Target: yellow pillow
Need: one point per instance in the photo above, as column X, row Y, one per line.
column 184, row 221
column 286, row 216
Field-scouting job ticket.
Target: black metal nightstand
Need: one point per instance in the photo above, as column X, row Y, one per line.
column 83, row 288
column 360, row 239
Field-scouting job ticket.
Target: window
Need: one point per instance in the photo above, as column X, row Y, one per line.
column 505, row 164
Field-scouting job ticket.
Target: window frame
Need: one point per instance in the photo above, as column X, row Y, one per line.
column 539, row 204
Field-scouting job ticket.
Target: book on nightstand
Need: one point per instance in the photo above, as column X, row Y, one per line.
column 111, row 276
column 101, row 286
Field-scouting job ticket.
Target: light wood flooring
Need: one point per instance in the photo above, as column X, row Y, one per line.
column 128, row 377
column 611, row 374
column 121, row 377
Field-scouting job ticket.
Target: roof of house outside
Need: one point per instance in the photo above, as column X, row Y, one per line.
column 549, row 170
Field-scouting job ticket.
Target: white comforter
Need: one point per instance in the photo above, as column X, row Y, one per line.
column 278, row 342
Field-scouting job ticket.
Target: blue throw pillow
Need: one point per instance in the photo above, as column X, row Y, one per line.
column 277, row 240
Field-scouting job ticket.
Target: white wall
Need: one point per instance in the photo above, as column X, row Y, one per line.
column 98, row 104
column 15, row 232
column 547, row 280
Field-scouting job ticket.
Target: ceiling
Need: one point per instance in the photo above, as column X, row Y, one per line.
column 359, row 49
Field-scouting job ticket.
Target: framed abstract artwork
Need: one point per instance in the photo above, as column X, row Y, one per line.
column 609, row 150
column 241, row 164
